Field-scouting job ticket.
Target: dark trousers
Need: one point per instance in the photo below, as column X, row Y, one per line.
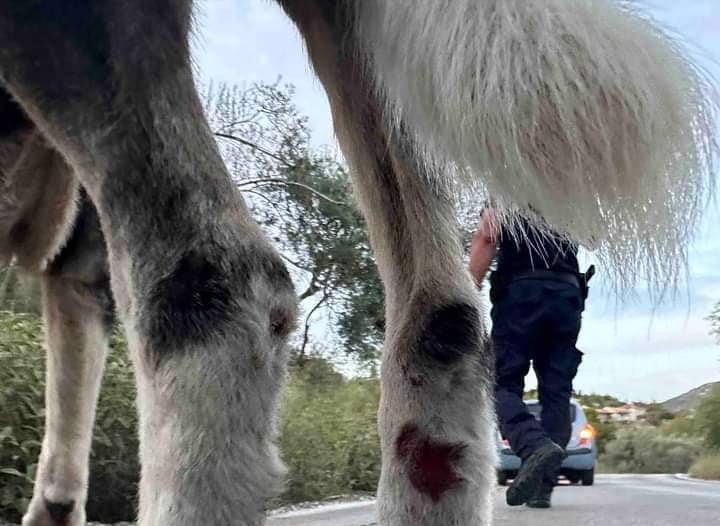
column 536, row 321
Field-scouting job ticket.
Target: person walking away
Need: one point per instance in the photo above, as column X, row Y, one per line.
column 538, row 296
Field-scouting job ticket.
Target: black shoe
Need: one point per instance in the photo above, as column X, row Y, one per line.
column 536, row 468
column 541, row 499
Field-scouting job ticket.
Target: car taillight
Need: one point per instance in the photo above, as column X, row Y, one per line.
column 587, row 435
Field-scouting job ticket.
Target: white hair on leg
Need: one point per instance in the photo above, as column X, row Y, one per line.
column 584, row 112
column 77, row 347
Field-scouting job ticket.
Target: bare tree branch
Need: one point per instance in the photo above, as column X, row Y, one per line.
column 271, row 180
column 311, row 290
column 306, row 331
column 234, row 124
column 267, row 200
column 280, row 159
column 296, row 265
column 254, row 146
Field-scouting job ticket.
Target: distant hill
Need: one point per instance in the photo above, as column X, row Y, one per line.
column 690, row 400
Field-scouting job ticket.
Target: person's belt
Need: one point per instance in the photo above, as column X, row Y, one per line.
column 548, row 275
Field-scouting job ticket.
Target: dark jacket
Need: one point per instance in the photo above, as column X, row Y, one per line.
column 549, row 256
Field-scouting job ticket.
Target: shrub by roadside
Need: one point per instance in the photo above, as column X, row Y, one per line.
column 706, row 467
column 329, row 437
column 114, row 468
column 329, row 433
column 21, row 419
column 707, row 416
column 651, row 451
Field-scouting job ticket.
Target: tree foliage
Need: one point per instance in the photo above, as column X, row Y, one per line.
column 114, row 467
column 648, row 450
column 329, row 437
column 597, row 401
column 300, row 194
column 706, row 467
column 656, row 414
column 707, row 417
column 586, row 400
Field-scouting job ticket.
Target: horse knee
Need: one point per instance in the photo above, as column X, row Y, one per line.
column 450, row 333
column 215, row 295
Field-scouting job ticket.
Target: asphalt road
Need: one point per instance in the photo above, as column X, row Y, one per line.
column 614, row 500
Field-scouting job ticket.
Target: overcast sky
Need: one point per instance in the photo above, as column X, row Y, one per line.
column 629, row 351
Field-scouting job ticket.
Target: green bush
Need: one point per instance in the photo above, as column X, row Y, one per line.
column 685, row 425
column 707, row 416
column 329, row 434
column 329, row 437
column 114, row 467
column 650, row 451
column 706, row 467
column 656, row 414
column 21, row 419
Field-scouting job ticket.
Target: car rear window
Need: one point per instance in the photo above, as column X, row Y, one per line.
column 535, row 410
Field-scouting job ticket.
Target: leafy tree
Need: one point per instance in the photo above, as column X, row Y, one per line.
column 683, row 425
column 597, row 401
column 300, row 195
column 707, row 417
column 329, row 434
column 592, row 400
column 656, row 414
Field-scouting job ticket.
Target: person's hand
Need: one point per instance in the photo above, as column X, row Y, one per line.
column 488, row 228
column 484, row 245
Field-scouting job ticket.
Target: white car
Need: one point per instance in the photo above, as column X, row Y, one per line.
column 578, row 466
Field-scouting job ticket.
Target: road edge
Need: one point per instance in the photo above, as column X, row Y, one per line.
column 340, row 506
column 688, row 478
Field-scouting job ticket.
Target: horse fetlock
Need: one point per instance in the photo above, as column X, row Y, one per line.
column 54, row 507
